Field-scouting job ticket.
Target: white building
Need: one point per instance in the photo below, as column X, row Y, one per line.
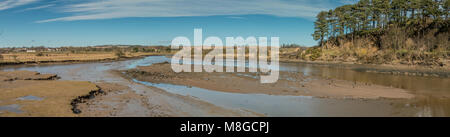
column 31, row 51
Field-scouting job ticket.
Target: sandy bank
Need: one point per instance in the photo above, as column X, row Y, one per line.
column 25, row 93
column 33, row 58
column 25, row 75
column 290, row 83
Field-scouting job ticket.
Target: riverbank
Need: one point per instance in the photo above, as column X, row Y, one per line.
column 290, row 83
column 393, row 69
column 56, row 57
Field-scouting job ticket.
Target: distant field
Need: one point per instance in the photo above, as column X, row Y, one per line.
column 62, row 57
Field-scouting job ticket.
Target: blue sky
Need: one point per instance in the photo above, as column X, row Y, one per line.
column 55, row 23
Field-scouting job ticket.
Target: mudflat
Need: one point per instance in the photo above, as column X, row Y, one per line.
column 120, row 100
column 26, row 93
column 290, row 83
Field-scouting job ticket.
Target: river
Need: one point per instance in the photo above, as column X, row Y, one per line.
column 429, row 90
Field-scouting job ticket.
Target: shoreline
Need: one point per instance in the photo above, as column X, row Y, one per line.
column 51, row 62
column 356, row 63
column 393, row 69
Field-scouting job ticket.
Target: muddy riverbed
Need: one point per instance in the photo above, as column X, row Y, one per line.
column 289, row 83
column 123, row 96
column 396, row 95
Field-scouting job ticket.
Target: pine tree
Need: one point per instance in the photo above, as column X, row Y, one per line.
column 321, row 27
column 332, row 22
column 366, row 16
column 395, row 11
column 341, row 20
column 446, row 7
column 352, row 21
column 385, row 7
column 375, row 13
column 414, row 5
column 363, row 12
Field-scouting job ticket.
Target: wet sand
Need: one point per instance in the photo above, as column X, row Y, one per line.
column 122, row 101
column 290, row 83
column 26, row 93
column 119, row 96
column 25, row 75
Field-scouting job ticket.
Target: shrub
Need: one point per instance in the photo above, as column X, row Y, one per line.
column 15, row 57
column 120, row 54
column 136, row 49
column 40, row 54
column 312, row 53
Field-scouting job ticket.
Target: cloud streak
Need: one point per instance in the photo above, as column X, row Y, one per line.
column 8, row 4
column 110, row 9
column 38, row 7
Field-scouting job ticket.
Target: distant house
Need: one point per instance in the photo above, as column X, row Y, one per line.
column 31, row 51
column 20, row 50
column 53, row 49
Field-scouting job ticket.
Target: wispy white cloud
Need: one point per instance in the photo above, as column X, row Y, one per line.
column 109, row 9
column 8, row 4
column 38, row 7
column 235, row 17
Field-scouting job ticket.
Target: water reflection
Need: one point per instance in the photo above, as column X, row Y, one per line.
column 416, row 84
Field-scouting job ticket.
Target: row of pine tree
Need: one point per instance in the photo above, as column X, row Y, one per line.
column 367, row 16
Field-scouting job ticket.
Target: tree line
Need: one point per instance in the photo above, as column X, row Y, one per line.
column 371, row 16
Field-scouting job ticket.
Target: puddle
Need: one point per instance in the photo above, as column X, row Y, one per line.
column 30, row 98
column 11, row 108
column 247, row 75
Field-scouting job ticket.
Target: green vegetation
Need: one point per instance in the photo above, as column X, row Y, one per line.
column 386, row 31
